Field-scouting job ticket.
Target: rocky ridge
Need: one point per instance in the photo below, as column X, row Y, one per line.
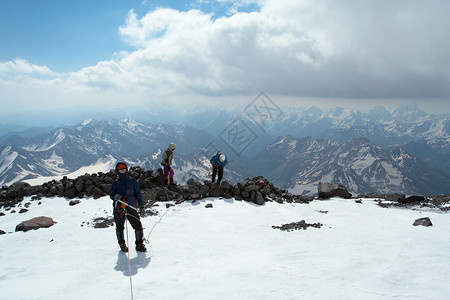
column 257, row 190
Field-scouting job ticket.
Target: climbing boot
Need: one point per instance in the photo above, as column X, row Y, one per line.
column 141, row 248
column 123, row 247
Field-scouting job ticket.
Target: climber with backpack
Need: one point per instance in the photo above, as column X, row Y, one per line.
column 166, row 162
column 218, row 162
column 126, row 195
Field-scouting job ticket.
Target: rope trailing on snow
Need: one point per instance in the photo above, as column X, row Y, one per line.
column 129, row 263
column 147, row 240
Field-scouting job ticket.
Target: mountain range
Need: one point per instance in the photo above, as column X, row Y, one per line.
column 400, row 150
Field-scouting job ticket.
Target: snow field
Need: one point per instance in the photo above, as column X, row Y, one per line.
column 229, row 251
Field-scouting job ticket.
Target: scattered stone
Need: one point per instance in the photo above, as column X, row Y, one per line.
column 35, row 223
column 74, row 202
column 209, row 205
column 103, row 222
column 358, row 201
column 423, row 222
column 23, row 210
column 2, row 232
column 297, row 225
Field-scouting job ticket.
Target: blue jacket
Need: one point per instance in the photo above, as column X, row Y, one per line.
column 215, row 160
column 128, row 187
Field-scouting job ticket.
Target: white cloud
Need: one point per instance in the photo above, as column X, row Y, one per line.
column 344, row 48
column 20, row 66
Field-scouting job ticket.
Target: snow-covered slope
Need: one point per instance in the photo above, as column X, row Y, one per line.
column 67, row 149
column 300, row 164
column 230, row 251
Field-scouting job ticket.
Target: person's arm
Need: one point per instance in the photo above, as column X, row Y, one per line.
column 213, row 160
column 113, row 190
column 137, row 194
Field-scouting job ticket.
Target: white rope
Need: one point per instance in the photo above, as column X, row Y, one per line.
column 147, row 240
column 144, row 240
column 129, row 264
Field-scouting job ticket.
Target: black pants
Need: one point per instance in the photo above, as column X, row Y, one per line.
column 215, row 169
column 133, row 217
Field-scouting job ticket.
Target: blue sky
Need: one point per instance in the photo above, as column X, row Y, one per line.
column 61, row 54
column 67, row 35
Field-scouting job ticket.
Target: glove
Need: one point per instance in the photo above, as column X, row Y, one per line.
column 142, row 211
column 117, row 197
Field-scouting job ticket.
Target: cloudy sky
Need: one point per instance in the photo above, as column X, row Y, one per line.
column 65, row 54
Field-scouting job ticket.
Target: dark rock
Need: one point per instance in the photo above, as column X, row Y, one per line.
column 250, row 188
column 259, row 199
column 70, row 193
column 90, row 190
column 225, row 185
column 2, row 214
column 23, row 210
column 216, row 192
column 327, row 190
column 105, row 188
column 423, row 222
column 159, row 177
column 74, row 202
column 412, row 199
column 209, row 205
column 135, row 175
column 102, row 222
column 393, row 197
column 80, row 187
column 35, row 223
column 297, row 225
column 238, row 197
column 236, row 190
column 2, row 232
column 53, row 190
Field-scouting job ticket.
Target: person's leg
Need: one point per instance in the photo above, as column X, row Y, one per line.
column 167, row 174
column 138, row 231
column 219, row 179
column 171, row 176
column 119, row 219
column 214, row 172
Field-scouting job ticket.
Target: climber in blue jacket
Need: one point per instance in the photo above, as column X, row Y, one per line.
column 127, row 190
column 218, row 162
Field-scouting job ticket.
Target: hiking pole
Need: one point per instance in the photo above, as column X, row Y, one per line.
column 128, row 205
column 132, row 207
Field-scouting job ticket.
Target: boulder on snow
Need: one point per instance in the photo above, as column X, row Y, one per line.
column 412, row 199
column 423, row 222
column 327, row 190
column 74, row 202
column 2, row 232
column 35, row 223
